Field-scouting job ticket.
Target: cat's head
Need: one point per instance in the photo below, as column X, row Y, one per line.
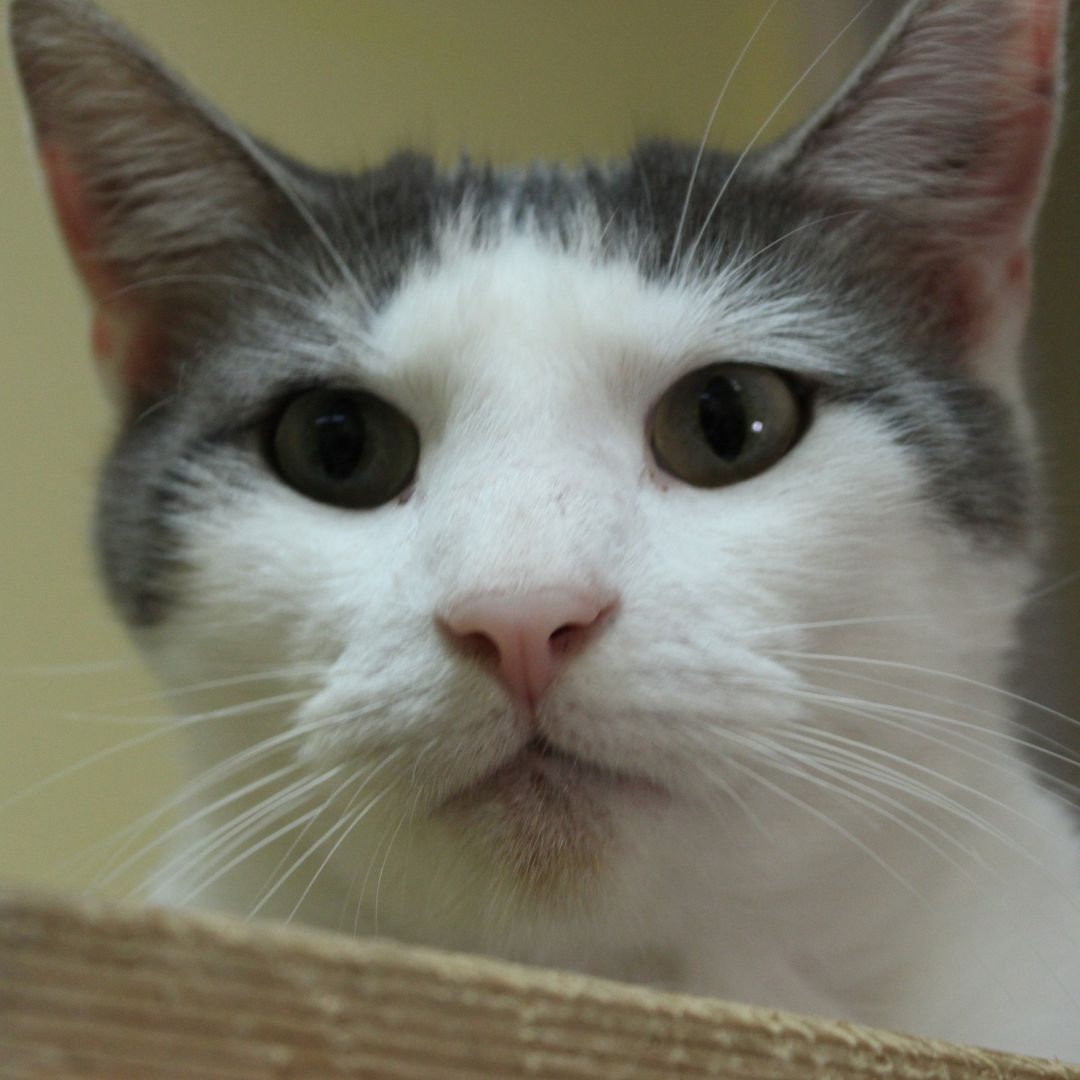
column 565, row 497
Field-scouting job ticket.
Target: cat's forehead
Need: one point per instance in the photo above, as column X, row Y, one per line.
column 522, row 297
column 521, row 301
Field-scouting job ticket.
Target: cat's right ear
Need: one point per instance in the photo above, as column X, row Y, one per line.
column 152, row 187
column 947, row 129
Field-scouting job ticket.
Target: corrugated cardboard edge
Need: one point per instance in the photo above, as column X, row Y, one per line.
column 91, row 989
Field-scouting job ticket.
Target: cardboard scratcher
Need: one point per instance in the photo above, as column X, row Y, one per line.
column 88, row 989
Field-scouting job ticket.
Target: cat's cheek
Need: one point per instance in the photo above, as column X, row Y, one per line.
column 266, row 570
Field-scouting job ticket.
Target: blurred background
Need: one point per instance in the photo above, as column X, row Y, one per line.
column 342, row 83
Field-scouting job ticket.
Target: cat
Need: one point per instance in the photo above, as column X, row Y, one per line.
column 607, row 567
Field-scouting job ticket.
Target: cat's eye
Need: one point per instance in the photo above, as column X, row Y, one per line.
column 725, row 423
column 342, row 447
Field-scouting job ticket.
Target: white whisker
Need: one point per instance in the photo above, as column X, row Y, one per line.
column 767, row 121
column 276, row 879
column 287, row 188
column 708, row 131
column 284, row 803
column 824, row 818
column 167, row 727
column 935, row 673
column 349, row 824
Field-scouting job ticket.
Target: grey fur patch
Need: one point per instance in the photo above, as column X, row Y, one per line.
column 138, row 526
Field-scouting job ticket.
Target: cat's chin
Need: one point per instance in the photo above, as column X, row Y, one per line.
column 547, row 816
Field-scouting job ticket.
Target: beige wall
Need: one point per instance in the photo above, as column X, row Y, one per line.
column 1051, row 662
column 342, row 82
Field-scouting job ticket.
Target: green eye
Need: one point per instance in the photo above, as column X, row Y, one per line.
column 725, row 423
column 345, row 448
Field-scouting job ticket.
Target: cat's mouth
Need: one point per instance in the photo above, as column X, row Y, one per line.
column 548, row 816
column 540, row 767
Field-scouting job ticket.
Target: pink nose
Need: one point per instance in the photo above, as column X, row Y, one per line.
column 528, row 635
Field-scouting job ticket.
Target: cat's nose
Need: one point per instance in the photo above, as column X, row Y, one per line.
column 527, row 636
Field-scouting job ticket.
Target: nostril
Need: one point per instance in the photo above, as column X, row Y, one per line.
column 566, row 637
column 477, row 645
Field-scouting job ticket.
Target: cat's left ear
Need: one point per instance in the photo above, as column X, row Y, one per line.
column 155, row 191
column 948, row 127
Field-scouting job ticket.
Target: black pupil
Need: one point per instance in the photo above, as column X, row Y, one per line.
column 339, row 440
column 723, row 418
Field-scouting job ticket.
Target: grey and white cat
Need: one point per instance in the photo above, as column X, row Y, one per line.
column 606, row 568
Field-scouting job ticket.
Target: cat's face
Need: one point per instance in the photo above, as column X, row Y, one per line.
column 563, row 595
column 532, row 376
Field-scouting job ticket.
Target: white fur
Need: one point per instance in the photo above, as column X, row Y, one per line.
column 933, row 890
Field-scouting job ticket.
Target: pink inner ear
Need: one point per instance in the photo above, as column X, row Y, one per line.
column 982, row 295
column 1046, row 31
column 1030, row 129
column 125, row 344
column 994, row 282
column 78, row 220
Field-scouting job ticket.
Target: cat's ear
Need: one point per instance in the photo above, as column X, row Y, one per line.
column 948, row 127
column 152, row 188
